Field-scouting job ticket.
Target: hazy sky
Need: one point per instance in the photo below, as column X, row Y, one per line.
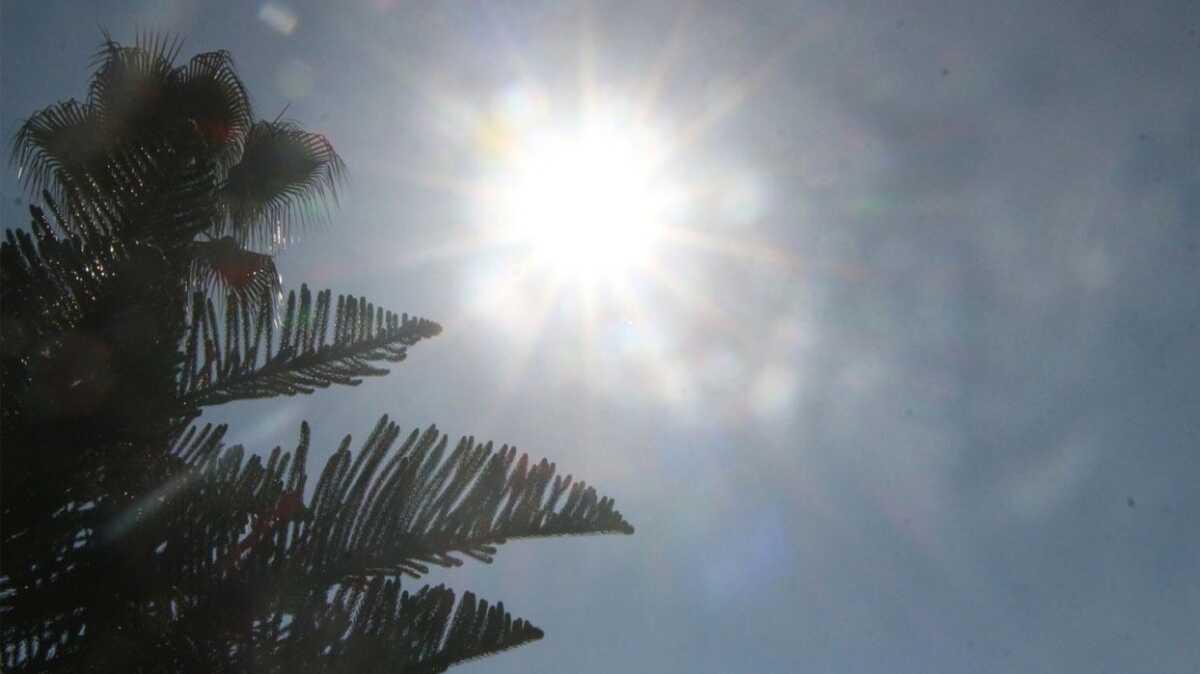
column 910, row 388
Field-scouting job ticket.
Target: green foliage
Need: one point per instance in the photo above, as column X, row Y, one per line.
column 134, row 540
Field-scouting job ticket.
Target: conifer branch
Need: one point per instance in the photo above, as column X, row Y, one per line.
column 230, row 540
column 423, row 507
column 389, row 511
column 47, row 279
column 244, row 362
column 377, row 626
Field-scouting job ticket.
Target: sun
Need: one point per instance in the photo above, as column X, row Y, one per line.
column 587, row 199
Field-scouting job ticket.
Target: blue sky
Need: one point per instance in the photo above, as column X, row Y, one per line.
column 912, row 388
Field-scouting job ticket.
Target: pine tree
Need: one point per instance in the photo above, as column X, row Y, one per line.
column 133, row 538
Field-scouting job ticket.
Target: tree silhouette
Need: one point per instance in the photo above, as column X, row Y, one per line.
column 133, row 538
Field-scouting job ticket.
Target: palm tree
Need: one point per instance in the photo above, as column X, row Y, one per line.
column 193, row 122
column 133, row 538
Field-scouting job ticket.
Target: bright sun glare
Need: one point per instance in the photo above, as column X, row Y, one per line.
column 587, row 200
column 591, row 202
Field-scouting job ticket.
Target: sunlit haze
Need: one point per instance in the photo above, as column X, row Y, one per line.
column 878, row 320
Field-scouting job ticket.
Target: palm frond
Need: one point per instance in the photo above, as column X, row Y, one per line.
column 131, row 84
column 208, row 92
column 63, row 139
column 148, row 190
column 222, row 267
column 138, row 103
column 284, row 175
column 141, row 110
column 238, row 359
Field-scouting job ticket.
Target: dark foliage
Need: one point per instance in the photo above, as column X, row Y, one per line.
column 135, row 540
